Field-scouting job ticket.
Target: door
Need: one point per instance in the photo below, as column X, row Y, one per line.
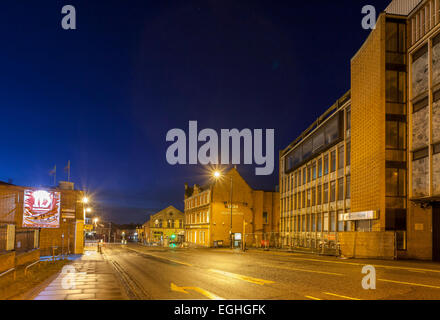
column 436, row 232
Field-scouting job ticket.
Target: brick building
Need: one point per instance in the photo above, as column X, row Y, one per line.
column 380, row 197
column 67, row 235
column 164, row 227
column 255, row 213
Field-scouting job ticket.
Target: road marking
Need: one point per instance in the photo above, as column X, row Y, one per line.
column 207, row 294
column 411, row 283
column 340, row 296
column 299, row 269
column 312, row 298
column 241, row 277
column 362, row 264
column 160, row 257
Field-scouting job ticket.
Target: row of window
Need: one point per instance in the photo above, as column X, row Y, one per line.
column 197, row 217
column 318, row 168
column 198, row 237
column 159, row 223
column 423, row 153
column 318, row 195
column 424, row 20
column 196, row 201
column 316, row 222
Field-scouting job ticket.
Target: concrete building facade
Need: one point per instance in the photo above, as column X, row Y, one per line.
column 210, row 217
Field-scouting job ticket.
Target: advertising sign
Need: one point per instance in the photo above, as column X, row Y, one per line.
column 41, row 209
column 363, row 215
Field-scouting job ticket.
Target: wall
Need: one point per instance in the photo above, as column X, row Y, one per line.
column 7, row 261
column 368, row 125
column 27, row 257
column 367, row 244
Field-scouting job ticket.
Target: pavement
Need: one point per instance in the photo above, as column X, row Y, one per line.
column 88, row 277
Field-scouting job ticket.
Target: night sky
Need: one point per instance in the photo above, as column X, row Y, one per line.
column 105, row 95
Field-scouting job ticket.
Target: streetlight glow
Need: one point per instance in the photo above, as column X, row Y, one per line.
column 89, row 210
column 85, row 200
column 217, row 174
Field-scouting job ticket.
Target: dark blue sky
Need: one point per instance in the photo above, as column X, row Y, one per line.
column 105, row 95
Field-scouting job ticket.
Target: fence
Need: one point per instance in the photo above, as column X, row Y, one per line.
column 263, row 240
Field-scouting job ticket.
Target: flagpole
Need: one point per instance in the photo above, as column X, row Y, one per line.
column 55, row 177
column 68, row 171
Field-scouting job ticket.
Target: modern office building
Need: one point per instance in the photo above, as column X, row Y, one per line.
column 365, row 177
column 210, row 219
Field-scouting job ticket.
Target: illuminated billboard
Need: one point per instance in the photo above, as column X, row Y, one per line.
column 41, row 209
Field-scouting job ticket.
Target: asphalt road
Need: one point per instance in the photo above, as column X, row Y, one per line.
column 161, row 273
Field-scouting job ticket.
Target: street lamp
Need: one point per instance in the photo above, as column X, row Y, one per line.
column 217, row 175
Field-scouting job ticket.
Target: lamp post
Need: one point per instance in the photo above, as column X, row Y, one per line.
column 217, row 175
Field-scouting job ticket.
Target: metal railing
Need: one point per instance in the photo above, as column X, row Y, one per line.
column 9, row 271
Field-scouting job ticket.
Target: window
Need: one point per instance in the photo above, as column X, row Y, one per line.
column 340, row 221
column 395, row 180
column 341, row 189
column 313, row 196
column 332, row 191
column 319, row 195
column 313, row 222
column 309, row 174
column 303, row 199
column 347, row 187
column 299, row 177
column 308, row 222
column 314, row 170
column 348, row 118
column 319, row 222
column 265, row 218
column 348, row 155
column 326, row 164
column 341, row 157
column 309, row 198
column 333, row 161
column 304, row 176
column 332, row 221
column 325, row 228
column 320, row 168
column 420, row 154
column 395, row 86
column 325, row 193
column 395, row 135
column 419, row 105
column 303, row 218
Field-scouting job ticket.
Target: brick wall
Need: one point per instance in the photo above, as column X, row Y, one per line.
column 368, row 125
column 367, row 244
column 7, row 261
column 27, row 257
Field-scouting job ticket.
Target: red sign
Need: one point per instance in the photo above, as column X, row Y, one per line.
column 41, row 209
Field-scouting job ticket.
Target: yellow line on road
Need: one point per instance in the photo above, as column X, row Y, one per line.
column 242, row 277
column 363, row 264
column 411, row 283
column 340, row 296
column 301, row 270
column 204, row 292
column 160, row 257
column 312, row 298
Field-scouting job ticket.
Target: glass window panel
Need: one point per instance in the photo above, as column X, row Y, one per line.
column 341, row 157
column 332, row 191
column 333, row 161
column 341, row 189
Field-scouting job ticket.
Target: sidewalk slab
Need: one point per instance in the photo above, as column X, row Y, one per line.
column 90, row 277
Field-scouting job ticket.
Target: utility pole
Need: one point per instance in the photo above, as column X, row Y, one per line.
column 110, row 233
column 230, row 232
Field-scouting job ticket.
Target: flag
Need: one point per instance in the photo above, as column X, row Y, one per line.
column 53, row 171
